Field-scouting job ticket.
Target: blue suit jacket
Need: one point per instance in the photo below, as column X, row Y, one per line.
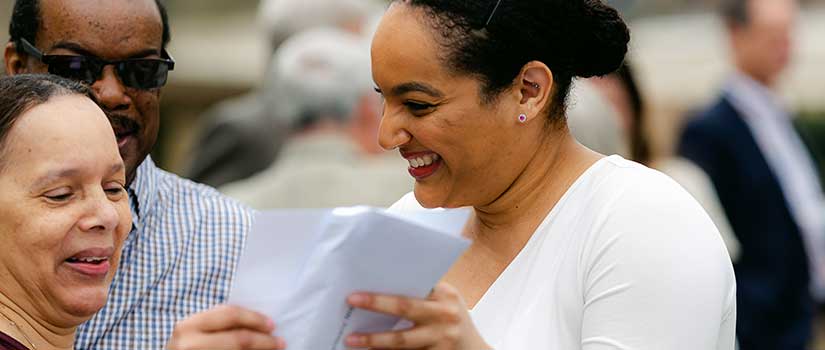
column 774, row 308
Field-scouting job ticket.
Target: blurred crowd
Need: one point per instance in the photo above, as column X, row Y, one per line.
column 316, row 113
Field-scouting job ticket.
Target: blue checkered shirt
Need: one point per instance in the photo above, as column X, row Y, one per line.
column 178, row 259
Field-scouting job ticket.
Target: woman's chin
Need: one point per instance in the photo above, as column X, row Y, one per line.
column 428, row 198
column 431, row 198
column 83, row 303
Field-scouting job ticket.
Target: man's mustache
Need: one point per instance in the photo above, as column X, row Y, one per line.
column 123, row 124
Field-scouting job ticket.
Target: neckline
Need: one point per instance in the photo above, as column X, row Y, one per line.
column 546, row 221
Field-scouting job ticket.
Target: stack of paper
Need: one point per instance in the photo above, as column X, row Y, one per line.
column 300, row 265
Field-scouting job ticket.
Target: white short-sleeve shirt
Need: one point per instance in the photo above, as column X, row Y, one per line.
column 626, row 259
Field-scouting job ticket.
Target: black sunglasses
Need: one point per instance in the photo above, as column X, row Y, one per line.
column 138, row 73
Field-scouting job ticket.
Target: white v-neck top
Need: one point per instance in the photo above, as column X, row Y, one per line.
column 626, row 259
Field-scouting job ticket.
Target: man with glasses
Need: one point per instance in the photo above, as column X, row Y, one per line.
column 186, row 238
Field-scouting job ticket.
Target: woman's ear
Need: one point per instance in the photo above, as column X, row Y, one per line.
column 535, row 83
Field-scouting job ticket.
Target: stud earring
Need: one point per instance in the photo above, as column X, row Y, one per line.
column 522, row 118
column 536, row 86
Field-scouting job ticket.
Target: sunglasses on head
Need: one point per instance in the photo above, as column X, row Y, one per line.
column 138, row 73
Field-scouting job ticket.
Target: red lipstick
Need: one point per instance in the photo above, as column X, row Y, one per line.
column 419, row 169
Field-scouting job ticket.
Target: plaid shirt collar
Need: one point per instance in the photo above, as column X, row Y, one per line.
column 143, row 190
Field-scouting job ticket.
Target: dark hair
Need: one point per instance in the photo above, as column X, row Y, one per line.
column 20, row 93
column 639, row 145
column 26, row 21
column 735, row 12
column 574, row 38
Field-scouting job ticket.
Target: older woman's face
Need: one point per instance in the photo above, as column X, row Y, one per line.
column 471, row 151
column 64, row 212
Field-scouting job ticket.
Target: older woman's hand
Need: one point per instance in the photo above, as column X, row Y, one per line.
column 227, row 328
column 442, row 322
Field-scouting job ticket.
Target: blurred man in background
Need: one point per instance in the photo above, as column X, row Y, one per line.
column 321, row 89
column 238, row 137
column 766, row 181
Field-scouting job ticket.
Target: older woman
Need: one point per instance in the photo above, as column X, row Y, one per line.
column 64, row 212
column 571, row 249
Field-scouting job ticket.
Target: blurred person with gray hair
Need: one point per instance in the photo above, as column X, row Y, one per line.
column 238, row 138
column 321, row 89
column 766, row 180
column 280, row 19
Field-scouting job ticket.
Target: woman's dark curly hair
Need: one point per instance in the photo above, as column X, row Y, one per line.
column 493, row 40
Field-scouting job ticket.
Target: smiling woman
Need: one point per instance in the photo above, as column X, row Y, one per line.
column 64, row 211
column 571, row 249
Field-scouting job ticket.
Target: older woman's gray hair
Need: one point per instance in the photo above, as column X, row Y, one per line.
column 280, row 19
column 318, row 75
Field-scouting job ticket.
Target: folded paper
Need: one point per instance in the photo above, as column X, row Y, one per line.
column 300, row 265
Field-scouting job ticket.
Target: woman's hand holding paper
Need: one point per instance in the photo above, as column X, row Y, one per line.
column 225, row 327
column 442, row 322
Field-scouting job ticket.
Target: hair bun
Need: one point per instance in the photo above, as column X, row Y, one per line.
column 608, row 37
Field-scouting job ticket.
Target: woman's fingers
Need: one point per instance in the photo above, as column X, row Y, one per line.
column 239, row 339
column 226, row 317
column 441, row 322
column 414, row 338
column 225, row 327
column 416, row 310
column 446, row 292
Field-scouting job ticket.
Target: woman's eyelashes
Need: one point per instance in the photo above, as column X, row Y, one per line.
column 419, row 108
column 59, row 195
column 115, row 190
column 380, row 93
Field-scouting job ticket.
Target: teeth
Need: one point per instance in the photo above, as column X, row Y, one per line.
column 91, row 259
column 423, row 160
